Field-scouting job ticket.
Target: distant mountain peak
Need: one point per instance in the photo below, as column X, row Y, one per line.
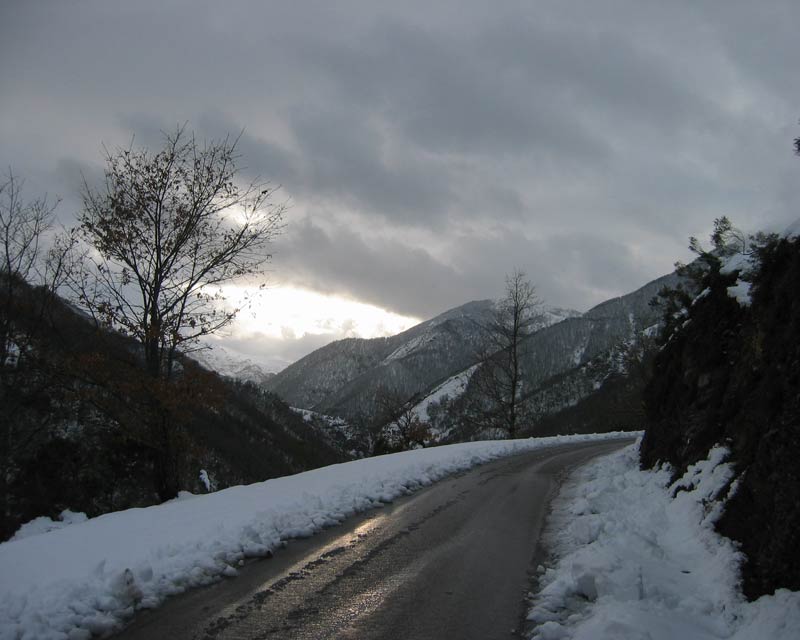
column 229, row 364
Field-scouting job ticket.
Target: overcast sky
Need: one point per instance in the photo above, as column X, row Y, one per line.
column 430, row 148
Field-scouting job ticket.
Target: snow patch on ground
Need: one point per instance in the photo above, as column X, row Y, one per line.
column 326, row 422
column 408, row 347
column 331, row 421
column 43, row 524
column 89, row 577
column 554, row 315
column 637, row 558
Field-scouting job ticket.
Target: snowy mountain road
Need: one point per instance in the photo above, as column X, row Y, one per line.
column 450, row 561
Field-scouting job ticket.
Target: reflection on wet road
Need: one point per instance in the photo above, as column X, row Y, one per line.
column 450, row 561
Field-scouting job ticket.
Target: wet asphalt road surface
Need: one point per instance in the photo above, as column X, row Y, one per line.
column 451, row 561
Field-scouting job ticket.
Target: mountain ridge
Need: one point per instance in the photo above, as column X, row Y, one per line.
column 344, row 377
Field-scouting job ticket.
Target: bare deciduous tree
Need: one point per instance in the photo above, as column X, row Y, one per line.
column 24, row 263
column 162, row 234
column 500, row 377
column 396, row 412
column 22, row 256
column 168, row 228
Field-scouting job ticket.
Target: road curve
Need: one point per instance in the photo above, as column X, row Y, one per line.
column 451, row 561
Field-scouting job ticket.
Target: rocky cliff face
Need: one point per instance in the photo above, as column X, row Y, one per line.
column 730, row 374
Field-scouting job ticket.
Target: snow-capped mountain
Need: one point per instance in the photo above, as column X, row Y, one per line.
column 229, row 364
column 577, row 341
column 565, row 363
column 343, row 377
column 566, row 360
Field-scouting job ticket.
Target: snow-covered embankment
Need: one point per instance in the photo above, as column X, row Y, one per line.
column 630, row 562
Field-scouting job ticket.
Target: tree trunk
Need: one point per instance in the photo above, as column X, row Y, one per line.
column 165, row 462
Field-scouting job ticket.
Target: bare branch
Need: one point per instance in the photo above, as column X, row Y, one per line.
column 168, row 225
column 500, row 377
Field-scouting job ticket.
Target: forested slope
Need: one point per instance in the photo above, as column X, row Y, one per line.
column 75, row 399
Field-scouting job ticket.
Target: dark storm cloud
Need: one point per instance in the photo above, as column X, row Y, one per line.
column 257, row 158
column 338, row 156
column 564, row 268
column 346, row 159
column 598, row 265
column 430, row 149
column 387, row 273
column 759, row 38
column 449, row 95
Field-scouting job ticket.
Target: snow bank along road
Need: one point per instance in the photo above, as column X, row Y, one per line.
column 633, row 555
column 88, row 578
column 449, row 561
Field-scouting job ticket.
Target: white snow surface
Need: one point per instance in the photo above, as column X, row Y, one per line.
column 226, row 362
column 43, row 524
column 91, row 576
column 408, row 347
column 453, row 387
column 632, row 563
column 742, row 265
column 331, row 421
column 326, row 422
column 554, row 315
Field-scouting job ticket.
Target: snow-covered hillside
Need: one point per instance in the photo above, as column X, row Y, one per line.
column 581, row 358
column 342, row 378
column 326, row 423
column 453, row 387
column 566, row 360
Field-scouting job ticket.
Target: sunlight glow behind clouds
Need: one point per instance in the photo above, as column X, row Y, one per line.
column 290, row 313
